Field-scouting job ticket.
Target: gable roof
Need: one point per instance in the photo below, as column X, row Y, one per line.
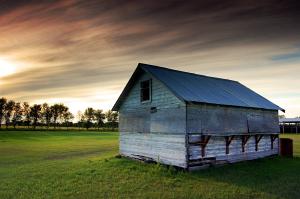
column 194, row 88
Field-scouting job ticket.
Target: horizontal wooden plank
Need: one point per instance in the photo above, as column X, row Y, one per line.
column 164, row 148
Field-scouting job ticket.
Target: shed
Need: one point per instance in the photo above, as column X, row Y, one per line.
column 189, row 120
column 289, row 125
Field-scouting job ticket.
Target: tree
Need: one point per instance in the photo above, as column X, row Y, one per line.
column 58, row 110
column 18, row 114
column 99, row 117
column 3, row 102
column 68, row 117
column 80, row 119
column 112, row 118
column 281, row 116
column 35, row 113
column 47, row 114
column 65, row 114
column 9, row 107
column 89, row 117
column 26, row 113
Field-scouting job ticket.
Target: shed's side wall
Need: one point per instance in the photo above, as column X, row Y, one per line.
column 216, row 148
column 214, row 119
column 220, row 121
column 160, row 134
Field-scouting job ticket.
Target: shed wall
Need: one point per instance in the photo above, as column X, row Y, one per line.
column 221, row 121
column 215, row 119
column 216, row 148
column 158, row 134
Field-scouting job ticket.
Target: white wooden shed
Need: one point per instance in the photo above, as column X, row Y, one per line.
column 190, row 120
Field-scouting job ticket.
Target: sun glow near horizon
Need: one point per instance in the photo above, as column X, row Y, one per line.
column 7, row 67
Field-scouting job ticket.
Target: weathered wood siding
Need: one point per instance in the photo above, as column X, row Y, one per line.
column 162, row 128
column 216, row 148
column 161, row 147
column 214, row 119
column 219, row 121
column 158, row 134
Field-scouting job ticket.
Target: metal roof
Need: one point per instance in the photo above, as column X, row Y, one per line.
column 289, row 120
column 195, row 88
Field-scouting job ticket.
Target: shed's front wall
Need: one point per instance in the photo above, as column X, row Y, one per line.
column 158, row 134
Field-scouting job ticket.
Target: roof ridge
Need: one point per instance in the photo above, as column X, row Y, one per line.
column 180, row 71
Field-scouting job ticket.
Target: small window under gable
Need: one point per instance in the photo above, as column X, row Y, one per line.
column 146, row 91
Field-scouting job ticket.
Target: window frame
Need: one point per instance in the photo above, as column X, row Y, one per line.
column 150, row 91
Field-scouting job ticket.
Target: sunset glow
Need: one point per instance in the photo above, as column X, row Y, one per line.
column 6, row 68
column 83, row 52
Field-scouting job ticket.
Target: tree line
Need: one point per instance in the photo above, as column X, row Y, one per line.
column 57, row 115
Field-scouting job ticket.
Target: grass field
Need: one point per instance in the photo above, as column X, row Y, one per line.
column 82, row 165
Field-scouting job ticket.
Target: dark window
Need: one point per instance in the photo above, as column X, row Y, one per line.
column 145, row 91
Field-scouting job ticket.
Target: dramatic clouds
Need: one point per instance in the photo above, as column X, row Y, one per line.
column 83, row 52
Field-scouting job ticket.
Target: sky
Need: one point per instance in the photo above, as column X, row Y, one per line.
column 82, row 53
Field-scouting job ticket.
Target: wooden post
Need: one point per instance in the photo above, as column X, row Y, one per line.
column 282, row 128
column 228, row 140
column 257, row 139
column 204, row 140
column 245, row 138
column 273, row 138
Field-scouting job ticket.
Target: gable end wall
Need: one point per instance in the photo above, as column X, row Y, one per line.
column 160, row 135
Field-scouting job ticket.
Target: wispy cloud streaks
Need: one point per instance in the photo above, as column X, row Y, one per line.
column 84, row 51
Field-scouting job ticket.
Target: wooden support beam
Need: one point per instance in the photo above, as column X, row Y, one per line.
column 257, row 139
column 204, row 141
column 228, row 140
column 273, row 138
column 245, row 139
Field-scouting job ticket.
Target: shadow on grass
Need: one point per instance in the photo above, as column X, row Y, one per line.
column 275, row 176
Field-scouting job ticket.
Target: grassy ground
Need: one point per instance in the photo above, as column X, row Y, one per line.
column 82, row 165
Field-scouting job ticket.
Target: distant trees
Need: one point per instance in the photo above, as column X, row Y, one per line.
column 112, row 118
column 67, row 118
column 35, row 114
column 15, row 113
column 26, row 113
column 89, row 117
column 9, row 107
column 99, row 117
column 57, row 111
column 80, row 119
column 46, row 114
column 2, row 109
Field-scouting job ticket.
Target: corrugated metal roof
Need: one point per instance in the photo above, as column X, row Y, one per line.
column 289, row 120
column 196, row 88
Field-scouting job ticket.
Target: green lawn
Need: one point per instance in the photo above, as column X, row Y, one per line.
column 82, row 165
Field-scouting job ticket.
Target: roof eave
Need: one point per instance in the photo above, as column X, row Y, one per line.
column 128, row 86
column 196, row 102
